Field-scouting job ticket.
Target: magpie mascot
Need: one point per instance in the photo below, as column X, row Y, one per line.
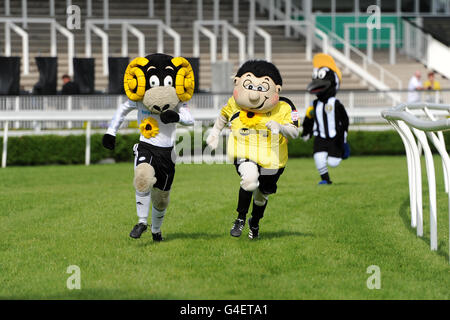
column 326, row 119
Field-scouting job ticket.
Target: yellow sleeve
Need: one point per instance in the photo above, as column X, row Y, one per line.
column 227, row 111
column 289, row 115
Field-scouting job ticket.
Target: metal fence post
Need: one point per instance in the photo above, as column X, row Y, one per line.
column 88, row 143
column 5, row 143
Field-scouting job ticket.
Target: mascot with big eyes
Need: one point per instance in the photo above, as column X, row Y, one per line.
column 326, row 119
column 158, row 87
column 261, row 122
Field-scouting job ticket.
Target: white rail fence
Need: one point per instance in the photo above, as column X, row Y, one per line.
column 364, row 100
column 426, row 49
column 128, row 25
column 227, row 28
column 10, row 24
column 417, row 124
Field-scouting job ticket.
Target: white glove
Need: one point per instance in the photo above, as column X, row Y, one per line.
column 306, row 138
column 273, row 126
column 213, row 139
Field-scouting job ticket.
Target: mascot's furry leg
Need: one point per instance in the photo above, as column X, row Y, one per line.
column 249, row 183
column 322, row 159
column 144, row 179
column 160, row 200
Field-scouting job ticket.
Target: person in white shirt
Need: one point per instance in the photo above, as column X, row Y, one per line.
column 158, row 87
column 414, row 86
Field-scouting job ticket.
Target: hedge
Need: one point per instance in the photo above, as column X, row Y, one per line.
column 53, row 149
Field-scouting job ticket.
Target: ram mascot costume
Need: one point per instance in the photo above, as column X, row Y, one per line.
column 158, row 87
column 261, row 122
column 326, row 119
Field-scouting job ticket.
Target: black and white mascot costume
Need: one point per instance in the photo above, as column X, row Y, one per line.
column 158, row 87
column 326, row 119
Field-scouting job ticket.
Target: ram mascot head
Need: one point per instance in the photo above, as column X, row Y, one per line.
column 159, row 81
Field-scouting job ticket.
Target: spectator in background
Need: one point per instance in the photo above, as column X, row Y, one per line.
column 432, row 85
column 69, row 87
column 414, row 86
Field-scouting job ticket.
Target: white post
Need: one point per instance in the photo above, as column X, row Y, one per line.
column 53, row 48
column 333, row 16
column 369, row 45
column 309, row 40
column 5, row 143
column 347, row 41
column 87, row 160
column 168, row 13
column 216, row 16
column 252, row 10
column 69, row 109
column 124, row 40
column 160, row 37
column 351, row 104
column 89, row 8
column 7, row 8
column 392, row 46
column 17, row 109
column 106, row 13
column 151, row 9
column 51, row 5
column 224, row 43
column 200, row 10
column 271, row 10
column 196, row 42
column 24, row 14
column 235, row 11
column 287, row 28
column 7, row 39
column 251, row 40
column 429, row 164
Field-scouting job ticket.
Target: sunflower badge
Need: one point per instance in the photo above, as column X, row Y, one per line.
column 149, row 128
column 249, row 118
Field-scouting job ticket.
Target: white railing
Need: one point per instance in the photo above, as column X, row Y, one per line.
column 208, row 104
column 369, row 40
column 128, row 25
column 378, row 80
column 409, row 122
column 426, row 49
column 253, row 27
column 415, row 42
column 25, row 44
column 138, row 34
column 199, row 27
column 54, row 28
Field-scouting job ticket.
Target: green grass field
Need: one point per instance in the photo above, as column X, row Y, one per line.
column 316, row 241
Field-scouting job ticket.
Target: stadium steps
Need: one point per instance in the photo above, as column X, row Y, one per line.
column 405, row 67
column 287, row 53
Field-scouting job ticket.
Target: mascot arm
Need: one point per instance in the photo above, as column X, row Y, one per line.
column 308, row 125
column 119, row 116
column 109, row 139
column 186, row 117
column 213, row 138
column 288, row 130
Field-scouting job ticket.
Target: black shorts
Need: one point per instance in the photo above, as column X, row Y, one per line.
column 268, row 178
column 334, row 146
column 160, row 159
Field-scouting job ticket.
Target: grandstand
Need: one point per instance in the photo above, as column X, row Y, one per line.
column 288, row 44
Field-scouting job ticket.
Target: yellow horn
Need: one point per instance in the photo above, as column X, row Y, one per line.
column 184, row 82
column 134, row 79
